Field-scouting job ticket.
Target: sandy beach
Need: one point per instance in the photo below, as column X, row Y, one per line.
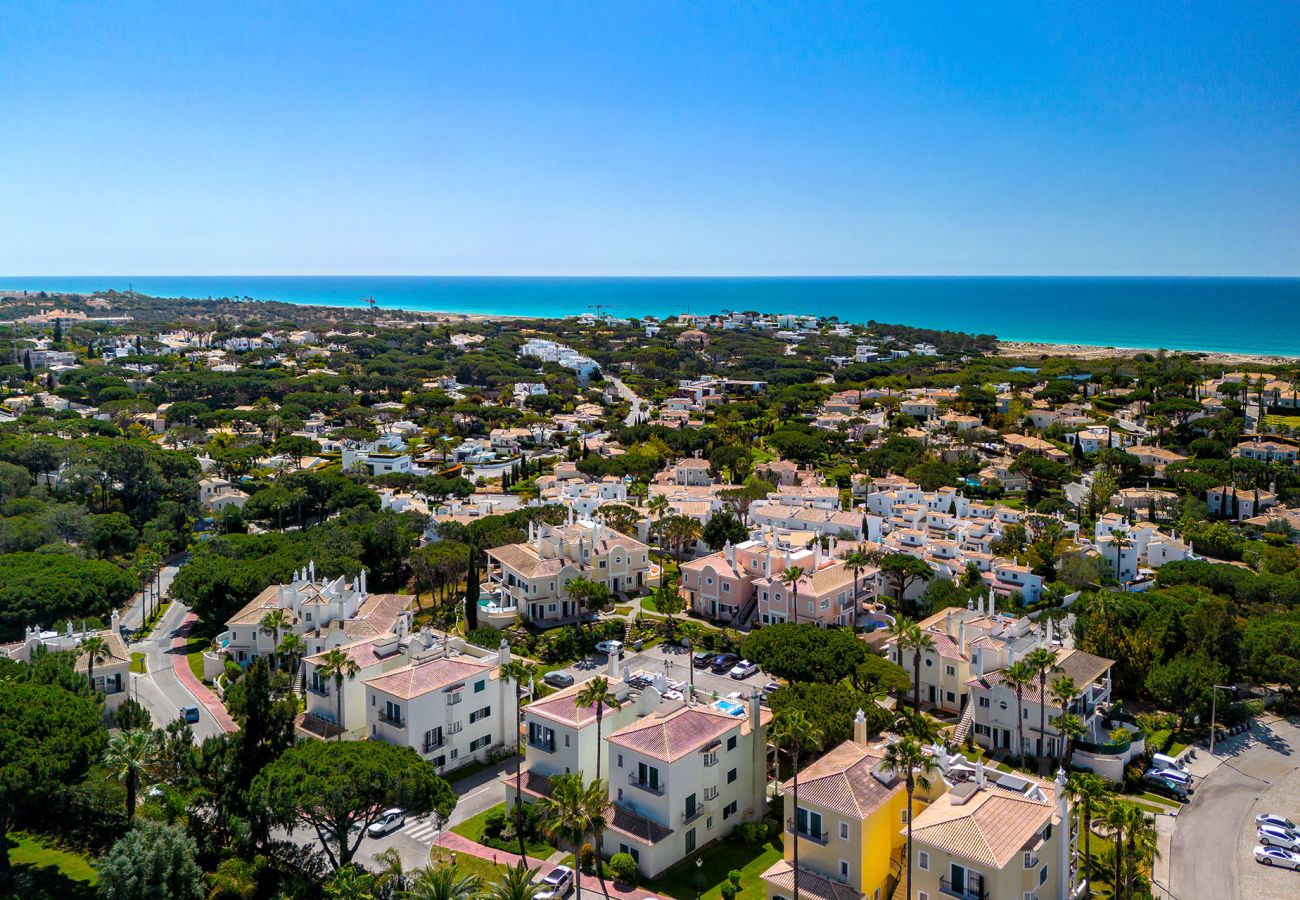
column 1030, row 349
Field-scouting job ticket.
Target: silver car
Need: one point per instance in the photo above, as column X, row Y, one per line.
column 555, row 884
column 390, row 820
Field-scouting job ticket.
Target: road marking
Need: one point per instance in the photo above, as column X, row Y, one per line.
column 421, row 830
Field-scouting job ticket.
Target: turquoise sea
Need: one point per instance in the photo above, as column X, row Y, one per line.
column 1243, row 315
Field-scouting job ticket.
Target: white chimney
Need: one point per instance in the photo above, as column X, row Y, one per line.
column 503, row 652
column 947, row 623
column 979, row 661
column 311, row 570
column 615, row 667
column 860, row 735
column 979, row 778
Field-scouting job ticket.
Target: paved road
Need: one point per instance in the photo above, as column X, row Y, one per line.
column 638, row 405
column 159, row 690
column 1214, row 835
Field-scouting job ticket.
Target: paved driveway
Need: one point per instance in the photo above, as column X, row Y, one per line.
column 1214, row 836
column 674, row 662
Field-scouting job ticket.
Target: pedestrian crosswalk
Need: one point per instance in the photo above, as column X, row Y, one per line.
column 422, row 830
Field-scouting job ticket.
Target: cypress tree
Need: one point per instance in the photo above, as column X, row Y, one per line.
column 472, row 591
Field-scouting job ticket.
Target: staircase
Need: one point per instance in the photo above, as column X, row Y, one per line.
column 963, row 727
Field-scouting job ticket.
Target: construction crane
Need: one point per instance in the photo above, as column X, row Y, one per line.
column 369, row 301
column 597, row 307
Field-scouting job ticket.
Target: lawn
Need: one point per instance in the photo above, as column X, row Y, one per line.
column 194, row 651
column 473, row 830
column 720, row 858
column 137, row 663
column 468, row 864
column 42, row 871
column 1282, row 421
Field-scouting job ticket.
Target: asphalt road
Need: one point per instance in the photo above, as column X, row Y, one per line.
column 159, row 690
column 1214, row 835
column 638, row 405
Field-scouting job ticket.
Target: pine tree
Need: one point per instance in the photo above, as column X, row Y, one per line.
column 58, row 332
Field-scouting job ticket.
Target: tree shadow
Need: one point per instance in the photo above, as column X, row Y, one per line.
column 35, row 882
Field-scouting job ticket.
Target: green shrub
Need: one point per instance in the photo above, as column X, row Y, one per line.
column 623, row 868
column 734, row 877
column 729, row 891
column 587, row 858
column 495, row 823
column 1133, row 779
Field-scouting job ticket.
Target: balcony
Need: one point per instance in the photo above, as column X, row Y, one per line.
column 636, row 782
column 688, row 817
column 546, row 745
column 431, row 745
column 320, row 690
column 395, row 721
column 820, row 837
column 968, row 892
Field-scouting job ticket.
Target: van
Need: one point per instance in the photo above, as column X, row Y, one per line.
column 1167, row 762
column 190, row 714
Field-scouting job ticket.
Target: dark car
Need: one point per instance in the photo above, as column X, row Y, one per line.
column 190, row 714
column 723, row 662
column 1165, row 788
column 558, row 679
column 703, row 659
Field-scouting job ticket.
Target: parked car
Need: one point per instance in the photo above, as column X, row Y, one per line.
column 1275, row 820
column 1276, row 856
column 390, row 820
column 190, row 714
column 558, row 679
column 723, row 662
column 1158, row 784
column 744, row 669
column 555, row 884
column 1165, row 762
column 1272, row 836
column 703, row 659
column 610, row 648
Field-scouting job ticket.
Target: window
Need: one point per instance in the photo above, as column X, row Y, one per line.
column 923, row 860
column 922, row 895
column 453, row 698
column 950, row 670
column 690, row 841
column 731, row 776
column 620, row 760
column 439, row 761
column 710, row 792
column 806, row 822
column 1029, row 860
column 478, row 714
column 730, row 810
column 726, row 587
column 454, row 753
column 1047, row 832
column 731, row 742
column 630, row 851
column 902, row 816
column 454, row 728
column 708, row 824
column 480, row 743
column 480, row 686
column 844, row 831
column 1042, row 875
column 711, row 758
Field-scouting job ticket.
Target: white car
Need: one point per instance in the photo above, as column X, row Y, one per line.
column 610, row 648
column 555, row 884
column 390, row 820
column 1276, row 821
column 1276, row 856
column 744, row 669
column 1272, row 836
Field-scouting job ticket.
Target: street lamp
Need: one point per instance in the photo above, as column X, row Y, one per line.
column 1214, row 696
column 699, row 876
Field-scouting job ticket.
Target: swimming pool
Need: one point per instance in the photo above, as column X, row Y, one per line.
column 730, row 707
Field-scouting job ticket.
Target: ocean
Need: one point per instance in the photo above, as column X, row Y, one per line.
column 1232, row 315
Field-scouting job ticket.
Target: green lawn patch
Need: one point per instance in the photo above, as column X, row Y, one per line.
column 468, row 864
column 622, row 609
column 720, row 857
column 137, row 663
column 42, row 870
column 473, row 830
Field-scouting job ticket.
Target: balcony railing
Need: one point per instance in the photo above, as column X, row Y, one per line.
column 688, row 817
column 395, row 721
column 963, row 893
column 431, row 745
column 817, row 837
column 636, row 782
column 320, row 690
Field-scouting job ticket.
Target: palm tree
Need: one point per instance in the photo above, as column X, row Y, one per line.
column 519, row 671
column 792, row 730
column 1071, row 728
column 443, row 883
column 910, row 636
column 1139, row 845
column 580, row 591
column 1116, row 818
column 573, row 811
column 856, row 562
column 658, row 507
column 790, row 578
column 272, row 623
column 338, row 665
column 516, row 883
column 129, row 756
column 1064, row 690
column 1019, row 675
column 95, row 649
column 690, row 631
column 596, row 693
column 907, row 758
column 291, row 649
column 1091, row 791
column 1042, row 661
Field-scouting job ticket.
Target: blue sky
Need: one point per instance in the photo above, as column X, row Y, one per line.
column 649, row 138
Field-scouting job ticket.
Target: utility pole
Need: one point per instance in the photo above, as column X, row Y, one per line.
column 1214, row 696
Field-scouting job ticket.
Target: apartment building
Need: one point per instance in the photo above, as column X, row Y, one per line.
column 112, row 673
column 846, row 824
column 452, row 710
column 532, row 576
column 680, row 779
column 324, row 613
column 826, row 594
column 1003, row 838
column 997, row 717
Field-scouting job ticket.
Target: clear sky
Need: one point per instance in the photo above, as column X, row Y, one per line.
column 649, row 138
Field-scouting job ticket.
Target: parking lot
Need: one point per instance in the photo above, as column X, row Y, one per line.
column 672, row 661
